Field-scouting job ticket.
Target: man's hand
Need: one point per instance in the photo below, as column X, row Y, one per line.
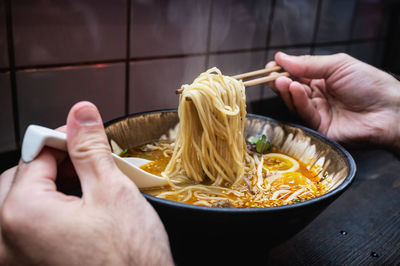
column 343, row 98
column 111, row 224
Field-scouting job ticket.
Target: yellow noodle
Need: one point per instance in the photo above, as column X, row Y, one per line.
column 210, row 145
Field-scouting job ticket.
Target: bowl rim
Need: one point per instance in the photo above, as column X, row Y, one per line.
column 331, row 194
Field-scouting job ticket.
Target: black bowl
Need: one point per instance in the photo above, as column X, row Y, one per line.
column 205, row 235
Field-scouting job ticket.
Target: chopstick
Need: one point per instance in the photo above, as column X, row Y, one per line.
column 255, row 73
column 262, row 80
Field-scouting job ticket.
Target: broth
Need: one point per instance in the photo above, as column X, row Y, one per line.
column 281, row 180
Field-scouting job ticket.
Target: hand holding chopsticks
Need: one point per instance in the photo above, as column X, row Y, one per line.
column 257, row 81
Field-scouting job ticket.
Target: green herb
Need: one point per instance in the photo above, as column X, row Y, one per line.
column 124, row 152
column 252, row 140
column 298, row 200
column 263, row 145
column 258, row 144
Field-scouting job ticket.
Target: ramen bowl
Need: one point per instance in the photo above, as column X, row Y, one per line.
column 206, row 235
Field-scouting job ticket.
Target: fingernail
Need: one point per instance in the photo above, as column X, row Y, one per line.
column 87, row 115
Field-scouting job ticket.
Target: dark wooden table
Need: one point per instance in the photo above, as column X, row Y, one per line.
column 362, row 226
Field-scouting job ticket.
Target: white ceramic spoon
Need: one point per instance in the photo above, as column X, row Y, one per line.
column 36, row 137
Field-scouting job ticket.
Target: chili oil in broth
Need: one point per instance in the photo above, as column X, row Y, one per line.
column 304, row 176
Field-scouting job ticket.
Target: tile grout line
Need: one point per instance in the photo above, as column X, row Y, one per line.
column 127, row 61
column 67, row 65
column 382, row 23
column 209, row 29
column 389, row 38
column 268, row 41
column 316, row 27
column 270, row 20
column 13, row 80
column 352, row 25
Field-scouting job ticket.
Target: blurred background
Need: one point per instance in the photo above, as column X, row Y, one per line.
column 129, row 56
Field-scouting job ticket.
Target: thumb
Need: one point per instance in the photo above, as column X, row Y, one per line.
column 88, row 146
column 312, row 67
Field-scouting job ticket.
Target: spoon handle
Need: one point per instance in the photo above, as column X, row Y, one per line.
column 36, row 137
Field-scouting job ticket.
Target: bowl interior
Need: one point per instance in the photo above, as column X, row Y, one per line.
column 334, row 163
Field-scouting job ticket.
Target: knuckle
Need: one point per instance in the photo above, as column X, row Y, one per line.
column 307, row 57
column 343, row 56
column 89, row 147
column 11, row 217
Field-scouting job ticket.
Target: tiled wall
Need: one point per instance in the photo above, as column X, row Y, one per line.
column 129, row 56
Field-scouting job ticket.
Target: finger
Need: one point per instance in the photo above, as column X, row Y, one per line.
column 303, row 105
column 308, row 90
column 46, row 162
column 285, row 80
column 270, row 64
column 271, row 84
column 6, row 179
column 282, row 85
column 62, row 129
column 311, row 67
column 39, row 175
column 88, row 146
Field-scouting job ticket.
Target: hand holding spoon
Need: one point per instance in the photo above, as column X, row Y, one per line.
column 36, row 137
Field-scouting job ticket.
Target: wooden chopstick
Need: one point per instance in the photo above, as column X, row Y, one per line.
column 262, row 80
column 255, row 73
column 269, row 78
